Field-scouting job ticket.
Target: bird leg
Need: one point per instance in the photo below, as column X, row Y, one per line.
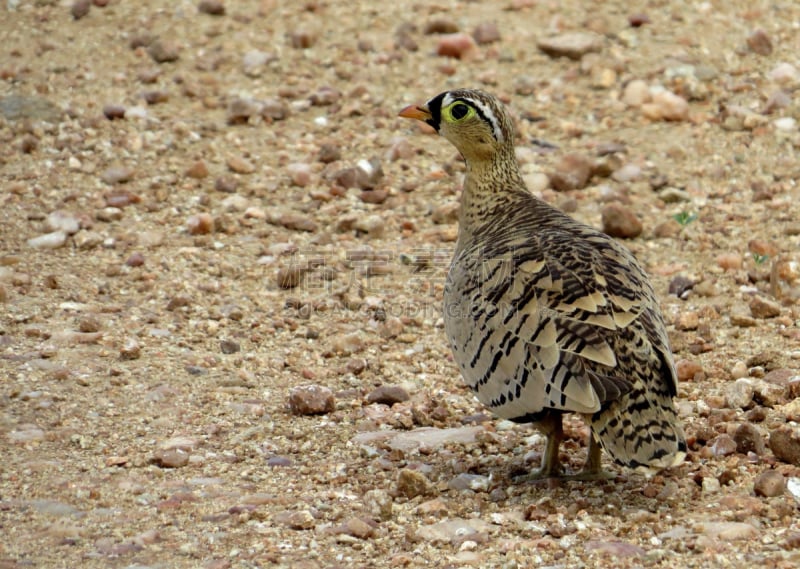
column 592, row 468
column 551, row 467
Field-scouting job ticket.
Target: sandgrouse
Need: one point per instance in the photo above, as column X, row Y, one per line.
column 546, row 315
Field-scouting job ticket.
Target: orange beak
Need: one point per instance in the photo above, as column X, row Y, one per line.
column 415, row 112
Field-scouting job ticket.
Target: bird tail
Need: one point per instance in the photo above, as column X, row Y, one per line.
column 641, row 429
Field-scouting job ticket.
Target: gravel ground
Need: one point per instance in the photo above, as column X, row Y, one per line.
column 222, row 257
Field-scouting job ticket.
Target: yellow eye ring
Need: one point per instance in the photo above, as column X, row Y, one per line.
column 458, row 111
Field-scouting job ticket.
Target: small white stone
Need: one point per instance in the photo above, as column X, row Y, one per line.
column 52, row 240
column 63, row 221
column 786, row 124
column 711, row 485
column 793, row 485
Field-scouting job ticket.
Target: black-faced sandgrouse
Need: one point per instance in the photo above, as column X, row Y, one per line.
column 546, row 315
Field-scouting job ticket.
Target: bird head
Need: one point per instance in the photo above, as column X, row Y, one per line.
column 473, row 121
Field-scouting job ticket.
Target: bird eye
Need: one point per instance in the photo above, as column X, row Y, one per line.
column 459, row 111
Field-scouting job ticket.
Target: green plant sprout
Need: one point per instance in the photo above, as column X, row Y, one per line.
column 684, row 218
column 759, row 258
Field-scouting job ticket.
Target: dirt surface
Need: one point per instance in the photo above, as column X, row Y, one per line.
column 222, row 257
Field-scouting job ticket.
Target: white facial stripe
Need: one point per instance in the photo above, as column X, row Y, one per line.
column 490, row 116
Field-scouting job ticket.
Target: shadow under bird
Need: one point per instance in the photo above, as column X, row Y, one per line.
column 546, row 315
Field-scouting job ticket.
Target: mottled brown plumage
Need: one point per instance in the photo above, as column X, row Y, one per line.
column 546, row 315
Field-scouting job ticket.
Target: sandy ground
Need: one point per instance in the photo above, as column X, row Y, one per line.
column 222, row 256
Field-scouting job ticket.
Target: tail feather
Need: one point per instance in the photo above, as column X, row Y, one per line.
column 641, row 429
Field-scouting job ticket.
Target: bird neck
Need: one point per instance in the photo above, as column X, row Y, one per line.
column 488, row 185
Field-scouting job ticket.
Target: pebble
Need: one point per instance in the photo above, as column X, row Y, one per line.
column 163, row 51
column 170, row 458
column 777, row 100
column 430, row 438
column 759, row 42
column 768, row 394
column 211, row 7
column 687, row 369
column 680, row 286
column 241, row 110
column 687, row 320
column 28, row 107
column 255, row 61
column 299, row 520
column 347, row 344
column 638, row 20
column 26, row 434
column 440, row 26
column 784, row 278
column 88, row 240
column 485, row 33
column 198, row 170
column 236, row 203
column 636, row 93
column 295, row 222
column 328, row 153
column 785, row 74
column 793, row 486
column 729, row 531
column 372, row 225
column 666, row 106
column 573, row 45
column 356, row 527
column 325, row 96
column 311, row 400
column 748, row 438
column 769, row 484
column 742, row 320
column 458, row 46
column 619, row 221
column 302, row 38
column 200, row 224
column 730, row 261
column 60, row 220
column 722, row 445
column 136, row 259
column 627, row 173
column 615, row 549
column 784, row 442
column 80, row 8
column 786, row 124
column 572, row 172
column 739, row 394
column 379, row 504
column 448, row 531
column 466, row 481
column 412, row 483
column 226, row 184
column 114, row 112
column 300, row 174
column 762, row 307
column 130, row 350
column 388, row 395
column 240, row 165
column 117, row 175
column 229, row 347
column 52, row 240
column 155, row 97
